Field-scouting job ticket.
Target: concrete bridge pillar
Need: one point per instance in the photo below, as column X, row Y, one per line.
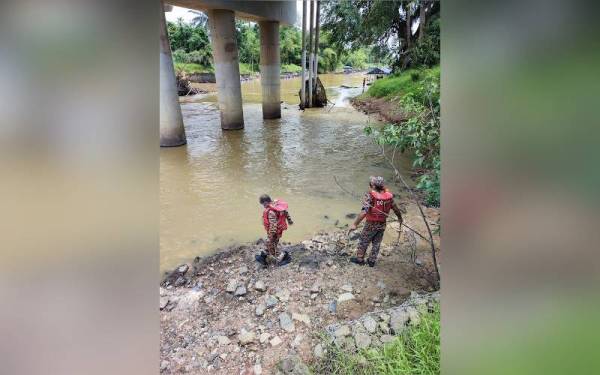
column 227, row 69
column 270, row 69
column 172, row 132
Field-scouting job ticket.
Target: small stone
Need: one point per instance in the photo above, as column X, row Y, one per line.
column 297, row 341
column 329, row 263
column 270, row 301
column 223, row 340
column 347, row 288
column 243, row 270
column 164, row 301
column 182, row 269
column 397, row 320
column 332, row 307
column 286, row 322
column 370, row 324
column 316, row 288
column 240, row 291
column 257, row 369
column 381, row 284
column 313, row 296
column 283, row 295
column 345, row 297
column 260, row 286
column 260, row 309
column 301, row 318
column 275, row 341
column 264, row 337
column 362, row 340
column 384, row 327
column 231, row 286
column 318, row 351
column 342, row 331
column 246, row 337
column 164, row 364
column 386, row 338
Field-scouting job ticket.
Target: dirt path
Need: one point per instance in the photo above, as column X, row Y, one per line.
column 225, row 314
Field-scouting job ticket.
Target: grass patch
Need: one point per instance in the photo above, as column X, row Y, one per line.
column 400, row 84
column 291, row 68
column 190, row 68
column 415, row 352
column 249, row 68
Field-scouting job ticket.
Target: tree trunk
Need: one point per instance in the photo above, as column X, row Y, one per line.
column 408, row 26
column 422, row 20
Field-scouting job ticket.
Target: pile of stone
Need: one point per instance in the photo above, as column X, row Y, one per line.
column 378, row 327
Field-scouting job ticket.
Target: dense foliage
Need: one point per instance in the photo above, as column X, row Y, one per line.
column 417, row 93
column 415, row 352
column 192, row 50
column 405, row 31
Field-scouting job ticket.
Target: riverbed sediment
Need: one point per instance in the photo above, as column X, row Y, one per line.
column 226, row 314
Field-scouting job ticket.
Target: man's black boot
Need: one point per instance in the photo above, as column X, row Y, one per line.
column 285, row 260
column 358, row 261
column 261, row 258
column 371, row 263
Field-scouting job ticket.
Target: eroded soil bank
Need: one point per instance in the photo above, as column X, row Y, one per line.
column 226, row 314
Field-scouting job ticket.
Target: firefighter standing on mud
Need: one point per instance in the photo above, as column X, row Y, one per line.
column 275, row 220
column 376, row 207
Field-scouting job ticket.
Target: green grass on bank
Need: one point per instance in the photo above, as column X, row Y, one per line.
column 290, row 68
column 415, row 352
column 190, row 68
column 400, row 84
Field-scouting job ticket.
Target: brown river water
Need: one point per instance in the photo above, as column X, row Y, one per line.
column 209, row 189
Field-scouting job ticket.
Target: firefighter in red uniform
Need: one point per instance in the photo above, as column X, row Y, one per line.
column 377, row 204
column 275, row 220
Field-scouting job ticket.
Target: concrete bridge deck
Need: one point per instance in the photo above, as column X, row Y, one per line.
column 221, row 17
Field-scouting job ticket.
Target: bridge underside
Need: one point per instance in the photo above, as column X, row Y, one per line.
column 221, row 17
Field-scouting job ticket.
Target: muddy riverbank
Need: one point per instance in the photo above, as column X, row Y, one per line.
column 225, row 314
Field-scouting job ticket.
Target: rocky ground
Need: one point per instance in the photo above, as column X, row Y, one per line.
column 226, row 314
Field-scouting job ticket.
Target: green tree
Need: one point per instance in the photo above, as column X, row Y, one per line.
column 381, row 23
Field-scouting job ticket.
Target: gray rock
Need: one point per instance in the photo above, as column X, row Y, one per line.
column 362, row 340
column 231, row 286
column 223, row 340
column 182, row 269
column 318, row 351
column 332, row 307
column 180, row 281
column 257, row 369
column 301, row 318
column 275, row 341
column 260, row 286
column 264, row 337
column 370, row 324
column 347, row 288
column 329, row 263
column 164, row 365
column 240, row 291
column 286, row 323
column 283, row 295
column 270, row 301
column 397, row 320
column 342, row 331
column 297, row 341
column 164, row 301
column 260, row 309
column 384, row 327
column 345, row 297
column 246, row 338
column 316, row 288
column 292, row 365
column 243, row 270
